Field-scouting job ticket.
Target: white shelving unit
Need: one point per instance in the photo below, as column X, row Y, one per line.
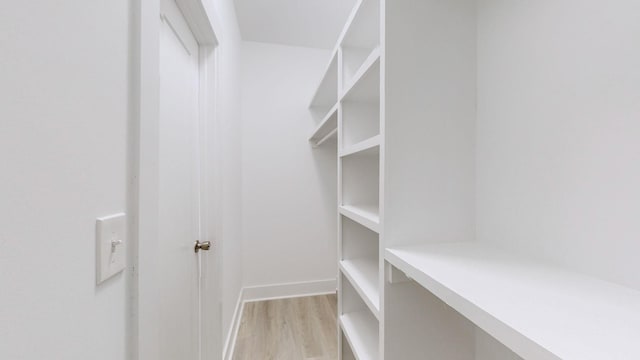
column 359, row 186
column 359, row 125
column 445, row 113
column 347, row 104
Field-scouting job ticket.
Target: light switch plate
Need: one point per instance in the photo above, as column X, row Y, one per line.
column 111, row 246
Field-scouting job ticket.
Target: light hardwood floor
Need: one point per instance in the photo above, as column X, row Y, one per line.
column 289, row 329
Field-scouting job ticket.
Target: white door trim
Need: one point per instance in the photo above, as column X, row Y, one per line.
column 142, row 332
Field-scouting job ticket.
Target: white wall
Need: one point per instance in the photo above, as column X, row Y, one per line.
column 63, row 141
column 63, row 150
column 558, row 157
column 289, row 188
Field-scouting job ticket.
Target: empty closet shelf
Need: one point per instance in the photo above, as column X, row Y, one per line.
column 361, row 331
column 538, row 310
column 364, row 215
column 363, row 275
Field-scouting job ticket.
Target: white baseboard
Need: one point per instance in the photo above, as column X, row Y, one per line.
column 269, row 292
column 279, row 291
column 230, row 342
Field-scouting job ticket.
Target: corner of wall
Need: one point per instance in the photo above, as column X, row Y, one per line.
column 232, row 334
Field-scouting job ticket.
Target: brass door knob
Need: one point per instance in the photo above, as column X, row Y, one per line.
column 206, row 245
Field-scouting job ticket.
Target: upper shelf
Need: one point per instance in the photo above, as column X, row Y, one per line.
column 368, row 65
column 326, row 94
column 361, row 37
column 537, row 310
column 327, row 129
column 363, row 28
column 365, row 86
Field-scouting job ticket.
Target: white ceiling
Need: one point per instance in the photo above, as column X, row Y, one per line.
column 309, row 23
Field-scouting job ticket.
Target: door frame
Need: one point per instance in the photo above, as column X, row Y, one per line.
column 142, row 285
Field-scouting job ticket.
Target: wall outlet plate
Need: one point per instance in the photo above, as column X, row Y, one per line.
column 111, row 246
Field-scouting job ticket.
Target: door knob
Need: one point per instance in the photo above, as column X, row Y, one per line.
column 206, row 245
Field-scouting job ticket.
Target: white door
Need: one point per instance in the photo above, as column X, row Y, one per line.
column 179, row 215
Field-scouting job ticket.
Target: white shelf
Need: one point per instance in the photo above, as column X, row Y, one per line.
column 350, row 19
column 326, row 94
column 370, row 63
column 537, row 310
column 364, row 215
column 363, row 27
column 365, row 86
column 371, row 145
column 361, row 331
column 363, row 275
column 327, row 128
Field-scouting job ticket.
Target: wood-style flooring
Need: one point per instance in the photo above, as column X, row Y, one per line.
column 289, row 329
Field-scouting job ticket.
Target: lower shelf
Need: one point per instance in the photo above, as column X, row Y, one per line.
column 537, row 310
column 363, row 275
column 361, row 331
